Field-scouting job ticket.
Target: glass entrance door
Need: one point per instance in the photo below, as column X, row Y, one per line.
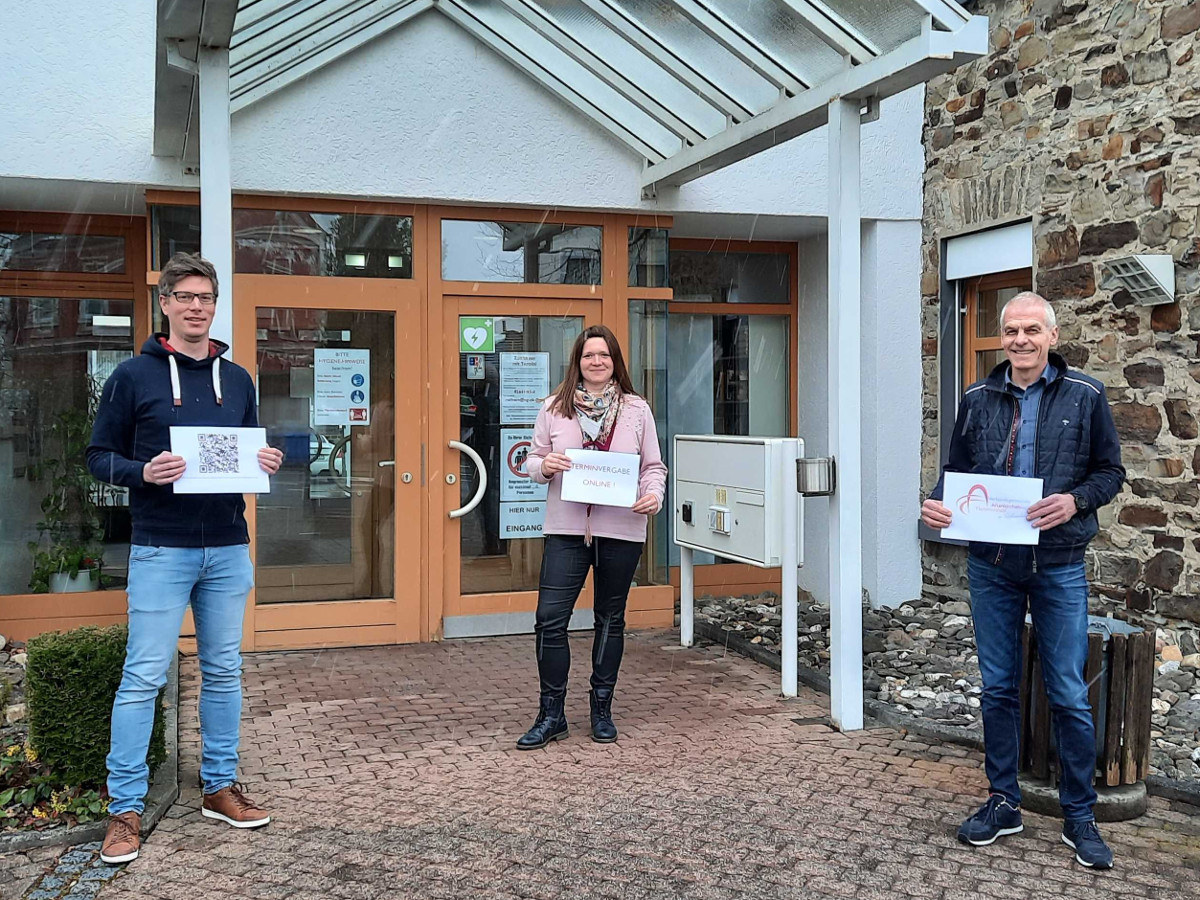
column 337, row 542
column 509, row 356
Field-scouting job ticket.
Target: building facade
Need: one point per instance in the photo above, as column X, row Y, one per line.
column 424, row 211
column 1050, row 163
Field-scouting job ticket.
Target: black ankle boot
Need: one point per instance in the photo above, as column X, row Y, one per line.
column 551, row 725
column 603, row 729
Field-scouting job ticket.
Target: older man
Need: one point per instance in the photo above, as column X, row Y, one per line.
column 1035, row 417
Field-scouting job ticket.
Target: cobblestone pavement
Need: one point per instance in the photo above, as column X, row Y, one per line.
column 391, row 773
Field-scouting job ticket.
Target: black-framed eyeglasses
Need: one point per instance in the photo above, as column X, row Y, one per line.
column 186, row 297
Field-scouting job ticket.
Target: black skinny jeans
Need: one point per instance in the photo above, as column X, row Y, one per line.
column 565, row 563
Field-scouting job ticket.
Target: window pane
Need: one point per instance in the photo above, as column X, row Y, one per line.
column 520, row 252
column 985, row 361
column 326, row 529
column 648, row 257
column 990, row 303
column 648, row 371
column 700, row 277
column 173, row 229
column 270, row 242
column 36, row 251
column 729, row 375
column 55, row 355
column 500, row 394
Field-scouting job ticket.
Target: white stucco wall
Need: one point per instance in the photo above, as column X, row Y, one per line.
column 425, row 112
column 891, row 409
column 77, row 80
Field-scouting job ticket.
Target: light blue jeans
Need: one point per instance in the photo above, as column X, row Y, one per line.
column 162, row 581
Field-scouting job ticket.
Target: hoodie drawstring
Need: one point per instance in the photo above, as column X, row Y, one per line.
column 176, row 394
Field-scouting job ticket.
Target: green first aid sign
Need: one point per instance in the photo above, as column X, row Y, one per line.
column 476, row 334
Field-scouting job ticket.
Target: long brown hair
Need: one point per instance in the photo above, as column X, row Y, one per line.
column 564, row 394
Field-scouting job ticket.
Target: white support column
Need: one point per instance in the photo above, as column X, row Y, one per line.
column 687, row 598
column 789, row 614
column 216, row 182
column 845, row 408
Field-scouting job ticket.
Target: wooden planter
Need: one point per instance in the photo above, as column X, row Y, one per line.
column 1120, row 678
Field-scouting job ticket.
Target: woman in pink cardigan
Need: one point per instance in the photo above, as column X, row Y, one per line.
column 594, row 408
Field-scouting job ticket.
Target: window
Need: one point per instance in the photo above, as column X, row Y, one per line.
column 289, row 242
column 983, row 298
column 649, row 256
column 730, row 277
column 529, row 252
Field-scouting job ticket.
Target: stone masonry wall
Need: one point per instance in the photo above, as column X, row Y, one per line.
column 1086, row 117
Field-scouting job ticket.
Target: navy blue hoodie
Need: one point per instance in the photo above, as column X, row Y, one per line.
column 136, row 409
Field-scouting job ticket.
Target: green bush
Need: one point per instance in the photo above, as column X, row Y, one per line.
column 71, row 680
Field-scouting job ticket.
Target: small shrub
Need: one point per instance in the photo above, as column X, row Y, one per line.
column 71, row 680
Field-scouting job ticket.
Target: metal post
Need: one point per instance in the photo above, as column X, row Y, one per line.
column 216, row 181
column 687, row 598
column 789, row 614
column 845, row 410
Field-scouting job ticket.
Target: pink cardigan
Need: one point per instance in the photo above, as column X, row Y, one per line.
column 633, row 433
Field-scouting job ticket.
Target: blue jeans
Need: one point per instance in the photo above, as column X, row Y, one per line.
column 162, row 581
column 1057, row 601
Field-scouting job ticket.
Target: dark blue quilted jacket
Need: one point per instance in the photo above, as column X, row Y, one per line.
column 1076, row 450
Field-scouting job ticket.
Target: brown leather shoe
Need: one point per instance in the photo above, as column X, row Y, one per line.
column 234, row 807
column 123, row 839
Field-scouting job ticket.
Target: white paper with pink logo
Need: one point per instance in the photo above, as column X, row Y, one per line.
column 990, row 508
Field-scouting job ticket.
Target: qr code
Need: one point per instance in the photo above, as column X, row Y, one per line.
column 218, row 454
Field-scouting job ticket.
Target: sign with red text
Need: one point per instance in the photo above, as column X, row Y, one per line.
column 601, row 478
column 990, row 508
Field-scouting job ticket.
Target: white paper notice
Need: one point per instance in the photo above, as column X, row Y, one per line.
column 341, row 387
column 524, row 385
column 521, row 520
column 991, row 508
column 515, row 484
column 601, row 477
column 220, row 460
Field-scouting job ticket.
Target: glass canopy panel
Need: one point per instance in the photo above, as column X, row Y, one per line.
column 889, row 23
column 494, row 15
column 784, row 35
column 591, row 31
column 719, row 66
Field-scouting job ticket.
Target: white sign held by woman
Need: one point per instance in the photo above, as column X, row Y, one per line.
column 601, row 478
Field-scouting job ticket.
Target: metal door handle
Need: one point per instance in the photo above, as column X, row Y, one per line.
column 479, row 489
column 386, row 462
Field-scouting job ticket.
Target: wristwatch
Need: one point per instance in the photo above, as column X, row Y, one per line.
column 1081, row 503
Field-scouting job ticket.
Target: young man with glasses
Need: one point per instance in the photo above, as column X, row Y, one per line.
column 186, row 548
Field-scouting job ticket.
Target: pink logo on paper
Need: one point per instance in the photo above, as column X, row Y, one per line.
column 976, row 496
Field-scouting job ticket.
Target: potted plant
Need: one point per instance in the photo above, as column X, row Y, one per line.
column 65, row 568
column 65, row 556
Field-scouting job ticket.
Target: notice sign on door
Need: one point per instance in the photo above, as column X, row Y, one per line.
column 524, row 386
column 515, row 484
column 521, row 520
column 341, row 387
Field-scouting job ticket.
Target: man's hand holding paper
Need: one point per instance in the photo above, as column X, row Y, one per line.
column 994, row 509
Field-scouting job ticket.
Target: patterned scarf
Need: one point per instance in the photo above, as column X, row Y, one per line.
column 597, row 415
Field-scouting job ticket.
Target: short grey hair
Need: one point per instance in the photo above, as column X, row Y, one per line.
column 1031, row 297
column 183, row 265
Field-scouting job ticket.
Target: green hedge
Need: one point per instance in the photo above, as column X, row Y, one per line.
column 71, row 680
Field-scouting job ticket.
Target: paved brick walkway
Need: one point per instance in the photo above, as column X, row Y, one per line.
column 391, row 773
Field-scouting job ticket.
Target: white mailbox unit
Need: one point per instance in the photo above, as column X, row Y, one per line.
column 735, row 497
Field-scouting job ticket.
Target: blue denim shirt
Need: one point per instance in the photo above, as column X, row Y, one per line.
column 1029, row 399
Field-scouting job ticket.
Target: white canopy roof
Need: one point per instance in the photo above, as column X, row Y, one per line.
column 690, row 85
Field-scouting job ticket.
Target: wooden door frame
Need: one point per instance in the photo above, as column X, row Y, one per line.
column 330, row 623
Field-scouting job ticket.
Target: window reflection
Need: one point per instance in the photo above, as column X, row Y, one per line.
column 55, row 356
column 35, row 251
column 648, row 257
column 287, row 242
column 701, row 277
column 531, row 252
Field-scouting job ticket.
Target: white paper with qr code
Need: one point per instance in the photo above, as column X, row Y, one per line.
column 220, row 460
